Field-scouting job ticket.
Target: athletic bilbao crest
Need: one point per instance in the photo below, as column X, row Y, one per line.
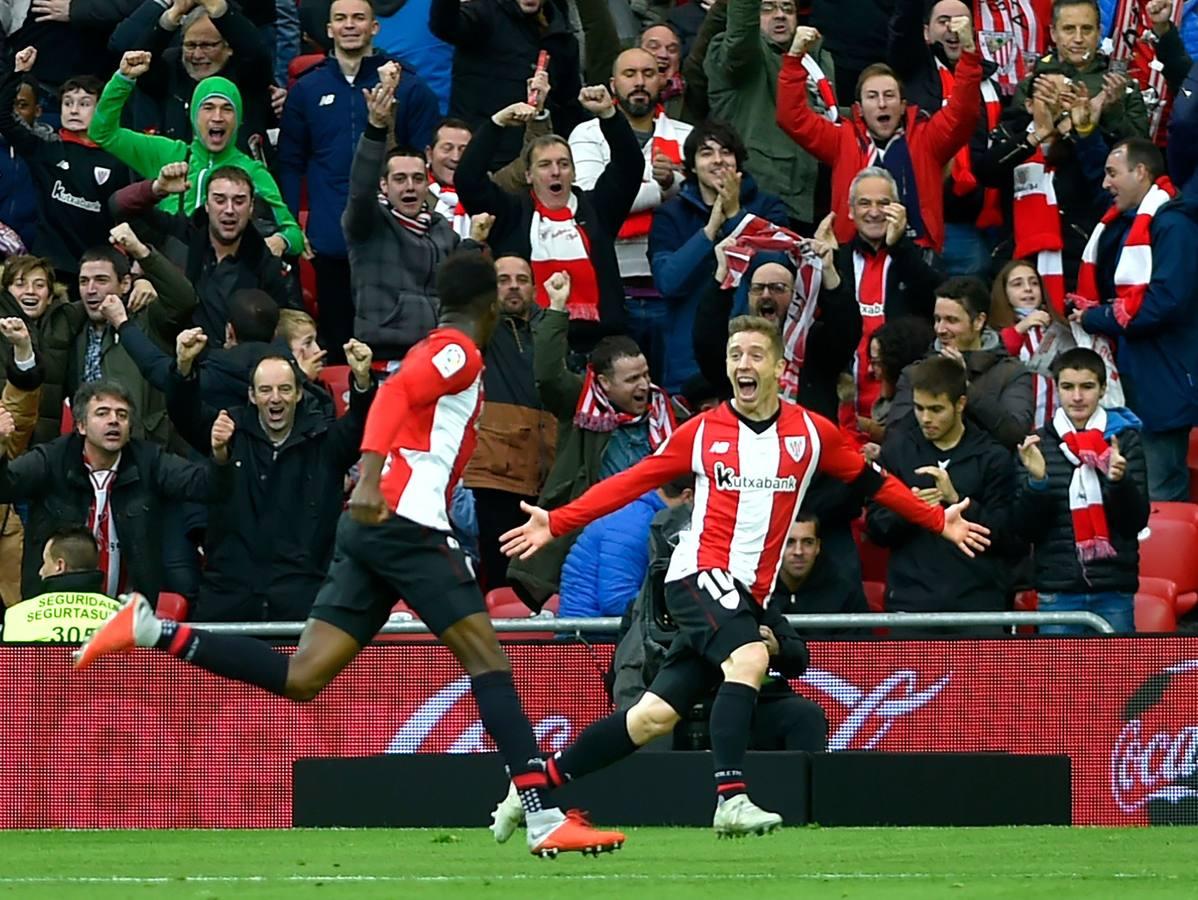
column 796, row 447
column 101, row 174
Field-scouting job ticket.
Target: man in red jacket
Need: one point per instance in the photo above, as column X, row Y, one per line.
column 885, row 131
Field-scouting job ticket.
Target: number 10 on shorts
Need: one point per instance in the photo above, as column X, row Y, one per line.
column 720, row 586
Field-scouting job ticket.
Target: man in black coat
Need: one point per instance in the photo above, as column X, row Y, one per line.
column 945, row 460
column 497, row 43
column 115, row 485
column 1082, row 516
column 268, row 545
column 574, row 231
column 809, row 582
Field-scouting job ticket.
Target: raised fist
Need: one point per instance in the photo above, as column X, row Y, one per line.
column 136, row 63
column 25, row 59
column 597, row 101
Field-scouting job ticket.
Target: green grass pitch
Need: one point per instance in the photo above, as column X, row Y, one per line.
column 795, row 863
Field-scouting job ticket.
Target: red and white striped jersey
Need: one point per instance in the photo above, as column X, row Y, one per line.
column 423, row 421
column 748, row 488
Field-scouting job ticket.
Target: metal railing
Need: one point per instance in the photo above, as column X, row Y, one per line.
column 610, row 625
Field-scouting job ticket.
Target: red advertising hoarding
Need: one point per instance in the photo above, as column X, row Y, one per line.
column 145, row 741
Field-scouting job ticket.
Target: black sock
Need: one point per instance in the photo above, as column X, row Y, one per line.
column 232, row 656
column 603, row 743
column 505, row 721
column 731, row 719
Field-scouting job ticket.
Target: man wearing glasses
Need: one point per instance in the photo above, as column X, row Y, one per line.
column 216, row 39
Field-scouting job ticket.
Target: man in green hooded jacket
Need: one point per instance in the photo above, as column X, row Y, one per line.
column 215, row 116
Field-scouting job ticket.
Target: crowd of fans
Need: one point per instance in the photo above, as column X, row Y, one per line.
column 960, row 218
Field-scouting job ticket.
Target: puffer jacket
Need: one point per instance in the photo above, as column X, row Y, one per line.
column 1000, row 397
column 606, row 565
column 1042, row 516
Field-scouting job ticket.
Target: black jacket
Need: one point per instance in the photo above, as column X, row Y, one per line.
column 1000, row 395
column 53, row 478
column 826, row 590
column 831, row 342
column 1041, row 514
column 269, row 543
column 601, row 211
column 74, row 180
column 496, row 52
column 1077, row 181
column 169, row 88
column 910, row 282
column 925, row 572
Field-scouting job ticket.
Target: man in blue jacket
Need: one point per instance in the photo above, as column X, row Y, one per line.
column 608, row 562
column 323, row 119
column 1154, row 317
column 712, row 201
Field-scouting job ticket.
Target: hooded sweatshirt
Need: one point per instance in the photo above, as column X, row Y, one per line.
column 146, row 154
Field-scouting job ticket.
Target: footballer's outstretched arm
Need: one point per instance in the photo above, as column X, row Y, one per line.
column 842, row 461
column 673, row 458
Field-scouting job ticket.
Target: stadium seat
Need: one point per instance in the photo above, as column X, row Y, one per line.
column 172, row 606
column 67, row 425
column 301, row 64
column 875, row 596
column 873, row 557
column 1171, row 551
column 1026, row 601
column 553, row 604
column 1178, row 512
column 336, row 379
column 504, row 596
column 508, row 609
column 1155, row 615
column 1158, row 587
column 875, row 599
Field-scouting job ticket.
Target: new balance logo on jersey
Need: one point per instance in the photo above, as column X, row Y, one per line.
column 719, row 447
column 727, row 479
column 64, row 165
column 327, row 100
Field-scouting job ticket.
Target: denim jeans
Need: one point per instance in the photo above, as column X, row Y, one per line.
column 1165, row 455
column 1116, row 608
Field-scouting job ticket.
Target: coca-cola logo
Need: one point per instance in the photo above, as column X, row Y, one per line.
column 1149, row 762
column 872, row 711
column 430, row 728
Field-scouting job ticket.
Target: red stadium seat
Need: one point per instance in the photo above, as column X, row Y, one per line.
column 875, row 596
column 1159, row 587
column 873, row 557
column 875, row 599
column 1026, row 601
column 505, row 596
column 553, row 604
column 172, row 606
column 1178, row 512
column 67, row 425
column 336, row 379
column 301, row 64
column 1155, row 615
column 1171, row 551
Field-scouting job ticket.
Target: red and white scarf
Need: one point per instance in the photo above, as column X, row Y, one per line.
column 870, row 276
column 823, row 87
column 1133, row 271
column 595, row 411
column 1088, row 451
column 1132, row 21
column 1037, row 225
column 418, row 224
column 102, row 524
column 559, row 244
column 664, row 141
column 449, row 206
column 755, row 234
column 1043, row 387
column 1010, row 34
column 961, row 172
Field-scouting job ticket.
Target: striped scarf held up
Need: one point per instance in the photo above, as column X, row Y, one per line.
column 755, row 234
column 595, row 412
column 1090, row 454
